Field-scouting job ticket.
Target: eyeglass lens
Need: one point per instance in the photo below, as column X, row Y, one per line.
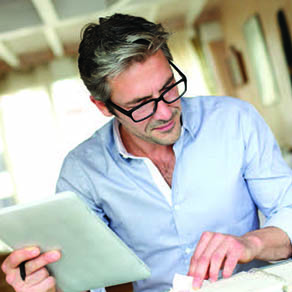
column 169, row 96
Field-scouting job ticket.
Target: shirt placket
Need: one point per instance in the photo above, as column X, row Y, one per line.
column 177, row 182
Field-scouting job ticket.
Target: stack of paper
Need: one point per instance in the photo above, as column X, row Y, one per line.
column 182, row 283
column 274, row 278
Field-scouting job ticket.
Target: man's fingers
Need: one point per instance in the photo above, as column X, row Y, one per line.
column 37, row 277
column 216, row 263
column 19, row 256
column 14, row 280
column 202, row 244
column 216, row 251
column 41, row 261
column 48, row 285
column 230, row 264
column 213, row 254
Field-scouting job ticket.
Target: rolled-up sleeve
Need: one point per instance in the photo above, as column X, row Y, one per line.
column 268, row 177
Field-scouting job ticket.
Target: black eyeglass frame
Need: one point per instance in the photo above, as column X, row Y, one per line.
column 129, row 113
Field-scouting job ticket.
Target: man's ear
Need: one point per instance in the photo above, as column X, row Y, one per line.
column 101, row 106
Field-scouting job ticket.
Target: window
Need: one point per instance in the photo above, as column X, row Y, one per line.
column 286, row 40
column 260, row 60
column 40, row 128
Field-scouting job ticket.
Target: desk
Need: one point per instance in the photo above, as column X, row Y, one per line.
column 120, row 288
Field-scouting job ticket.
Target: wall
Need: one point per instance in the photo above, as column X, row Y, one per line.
column 233, row 14
column 187, row 60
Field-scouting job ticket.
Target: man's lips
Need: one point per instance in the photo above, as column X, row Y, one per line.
column 165, row 127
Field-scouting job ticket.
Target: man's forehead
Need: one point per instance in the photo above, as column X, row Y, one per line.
column 141, row 98
column 140, row 62
column 142, row 78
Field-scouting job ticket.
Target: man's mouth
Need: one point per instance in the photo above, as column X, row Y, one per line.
column 166, row 127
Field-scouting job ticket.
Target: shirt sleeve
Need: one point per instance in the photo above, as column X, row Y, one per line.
column 98, row 290
column 73, row 177
column 268, row 177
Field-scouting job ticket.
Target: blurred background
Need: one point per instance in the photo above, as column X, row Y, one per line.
column 225, row 47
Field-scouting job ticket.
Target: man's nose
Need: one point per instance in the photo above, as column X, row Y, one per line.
column 163, row 111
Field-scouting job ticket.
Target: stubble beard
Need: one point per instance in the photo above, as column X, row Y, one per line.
column 168, row 137
column 150, row 134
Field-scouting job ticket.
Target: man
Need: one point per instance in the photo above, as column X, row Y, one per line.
column 180, row 180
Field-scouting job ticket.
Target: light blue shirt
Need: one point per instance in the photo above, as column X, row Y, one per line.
column 228, row 166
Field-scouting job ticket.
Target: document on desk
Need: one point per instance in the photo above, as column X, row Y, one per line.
column 272, row 278
column 93, row 256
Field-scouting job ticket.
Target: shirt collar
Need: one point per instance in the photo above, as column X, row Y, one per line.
column 118, row 140
column 190, row 117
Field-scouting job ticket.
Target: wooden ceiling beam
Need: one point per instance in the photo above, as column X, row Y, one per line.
column 48, row 14
column 7, row 56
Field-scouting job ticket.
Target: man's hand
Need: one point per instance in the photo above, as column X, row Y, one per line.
column 217, row 251
column 37, row 277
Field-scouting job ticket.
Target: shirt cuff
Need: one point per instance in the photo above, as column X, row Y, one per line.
column 281, row 220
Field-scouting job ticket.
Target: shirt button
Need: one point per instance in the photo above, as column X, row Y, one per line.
column 188, row 250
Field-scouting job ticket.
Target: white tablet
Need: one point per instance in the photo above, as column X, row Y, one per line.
column 93, row 256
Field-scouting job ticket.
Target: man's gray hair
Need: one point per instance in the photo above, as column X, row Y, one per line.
column 109, row 48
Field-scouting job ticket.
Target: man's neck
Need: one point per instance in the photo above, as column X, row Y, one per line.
column 161, row 155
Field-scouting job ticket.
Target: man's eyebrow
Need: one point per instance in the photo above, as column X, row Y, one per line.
column 168, row 81
column 139, row 99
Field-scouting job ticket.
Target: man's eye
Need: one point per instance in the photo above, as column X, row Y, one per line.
column 169, row 86
column 170, row 91
column 141, row 102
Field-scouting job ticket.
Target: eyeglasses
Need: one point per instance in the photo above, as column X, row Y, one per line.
column 148, row 108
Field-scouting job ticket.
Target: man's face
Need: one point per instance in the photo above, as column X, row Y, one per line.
column 140, row 82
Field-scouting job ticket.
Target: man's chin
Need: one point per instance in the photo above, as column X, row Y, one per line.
column 166, row 138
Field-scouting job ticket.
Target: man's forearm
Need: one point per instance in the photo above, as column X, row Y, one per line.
column 269, row 243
